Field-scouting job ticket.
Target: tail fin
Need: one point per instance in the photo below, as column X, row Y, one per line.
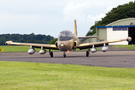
column 75, row 28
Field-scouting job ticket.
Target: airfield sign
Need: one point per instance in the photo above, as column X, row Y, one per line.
column 1, row 49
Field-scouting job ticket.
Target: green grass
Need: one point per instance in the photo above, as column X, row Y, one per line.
column 15, row 48
column 18, row 48
column 130, row 47
column 26, row 48
column 40, row 76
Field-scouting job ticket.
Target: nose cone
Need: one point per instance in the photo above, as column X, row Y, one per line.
column 64, row 45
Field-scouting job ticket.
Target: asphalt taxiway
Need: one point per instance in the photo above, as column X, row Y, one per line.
column 122, row 59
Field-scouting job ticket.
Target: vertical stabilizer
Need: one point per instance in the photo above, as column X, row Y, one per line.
column 75, row 28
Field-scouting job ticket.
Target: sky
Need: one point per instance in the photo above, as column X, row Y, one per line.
column 49, row 17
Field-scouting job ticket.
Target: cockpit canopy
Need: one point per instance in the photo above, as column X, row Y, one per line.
column 65, row 35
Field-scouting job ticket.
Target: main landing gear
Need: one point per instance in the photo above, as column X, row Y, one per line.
column 87, row 53
column 51, row 53
column 64, row 54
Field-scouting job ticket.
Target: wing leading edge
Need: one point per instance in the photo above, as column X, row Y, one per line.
column 81, row 46
column 89, row 45
column 45, row 46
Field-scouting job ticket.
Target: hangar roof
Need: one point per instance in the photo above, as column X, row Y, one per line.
column 115, row 26
column 127, row 21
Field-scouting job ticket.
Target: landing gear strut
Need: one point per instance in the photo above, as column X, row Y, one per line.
column 64, row 54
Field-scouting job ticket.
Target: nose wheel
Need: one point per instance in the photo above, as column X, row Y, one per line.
column 64, row 54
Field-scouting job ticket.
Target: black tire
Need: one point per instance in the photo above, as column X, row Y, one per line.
column 64, row 55
column 87, row 53
column 51, row 54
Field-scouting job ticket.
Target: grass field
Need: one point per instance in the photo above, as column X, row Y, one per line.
column 17, row 48
column 131, row 47
column 40, row 76
column 26, row 48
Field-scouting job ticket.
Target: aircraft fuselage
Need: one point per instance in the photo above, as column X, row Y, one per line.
column 67, row 41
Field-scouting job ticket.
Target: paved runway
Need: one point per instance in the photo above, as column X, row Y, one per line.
column 123, row 59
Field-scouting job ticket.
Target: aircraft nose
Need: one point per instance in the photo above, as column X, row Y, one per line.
column 62, row 45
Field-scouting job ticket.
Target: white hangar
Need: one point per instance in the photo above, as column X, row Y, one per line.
column 120, row 29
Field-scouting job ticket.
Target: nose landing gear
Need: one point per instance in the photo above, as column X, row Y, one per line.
column 64, row 54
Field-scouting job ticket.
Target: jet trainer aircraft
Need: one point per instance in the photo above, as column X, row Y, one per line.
column 68, row 41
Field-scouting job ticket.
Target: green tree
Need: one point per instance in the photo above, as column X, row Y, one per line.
column 2, row 41
column 53, row 41
column 120, row 12
column 28, row 38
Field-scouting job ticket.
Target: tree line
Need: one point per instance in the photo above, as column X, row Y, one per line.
column 27, row 38
column 120, row 12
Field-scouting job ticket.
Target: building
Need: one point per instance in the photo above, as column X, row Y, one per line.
column 117, row 30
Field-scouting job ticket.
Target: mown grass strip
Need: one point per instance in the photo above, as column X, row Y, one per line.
column 130, row 47
column 40, row 76
column 18, row 48
column 26, row 48
column 15, row 48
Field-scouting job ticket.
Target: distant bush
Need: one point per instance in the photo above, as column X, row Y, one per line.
column 28, row 38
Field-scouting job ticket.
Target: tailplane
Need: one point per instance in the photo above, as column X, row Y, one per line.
column 75, row 28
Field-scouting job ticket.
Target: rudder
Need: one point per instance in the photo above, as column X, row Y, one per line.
column 75, row 28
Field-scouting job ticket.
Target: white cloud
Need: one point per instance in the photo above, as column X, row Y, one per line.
column 75, row 11
column 9, row 17
column 96, row 17
column 82, row 12
column 110, row 8
column 28, row 23
column 52, row 16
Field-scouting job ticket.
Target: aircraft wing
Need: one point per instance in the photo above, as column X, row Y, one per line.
column 97, row 44
column 35, row 45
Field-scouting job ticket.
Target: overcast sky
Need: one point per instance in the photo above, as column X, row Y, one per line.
column 49, row 17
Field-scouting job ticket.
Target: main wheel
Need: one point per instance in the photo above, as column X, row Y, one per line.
column 64, row 55
column 87, row 53
column 51, row 54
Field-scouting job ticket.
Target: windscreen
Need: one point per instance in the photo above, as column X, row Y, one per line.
column 65, row 35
